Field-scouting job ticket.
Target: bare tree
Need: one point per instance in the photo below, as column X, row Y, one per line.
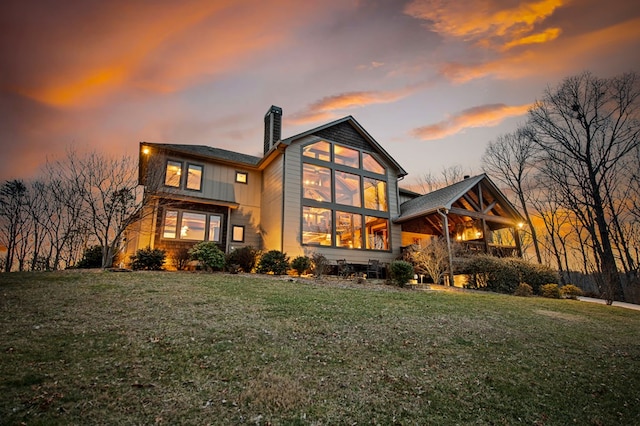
column 433, row 259
column 12, row 218
column 585, row 128
column 509, row 159
column 429, row 182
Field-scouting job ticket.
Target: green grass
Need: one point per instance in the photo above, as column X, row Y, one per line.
column 170, row 348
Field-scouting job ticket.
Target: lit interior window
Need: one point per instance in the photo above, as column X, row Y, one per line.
column 237, row 233
column 377, row 233
column 375, row 194
column 316, row 182
column 316, row 226
column 241, row 177
column 348, row 230
column 318, row 150
column 173, row 172
column 348, row 189
column 214, row 227
column 194, row 177
column 370, row 164
column 170, row 224
column 346, row 156
column 192, row 226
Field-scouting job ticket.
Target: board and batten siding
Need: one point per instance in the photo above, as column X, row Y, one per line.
column 271, row 211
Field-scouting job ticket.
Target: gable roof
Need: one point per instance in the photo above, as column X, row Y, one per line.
column 444, row 198
column 351, row 121
column 208, row 152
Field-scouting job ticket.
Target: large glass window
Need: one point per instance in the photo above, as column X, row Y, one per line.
column 173, row 173
column 347, row 189
column 377, row 235
column 215, row 221
column 346, row 156
column 170, row 224
column 348, row 230
column 318, row 150
column 316, row 183
column 375, row 194
column 316, row 226
column 370, row 164
column 194, row 177
column 192, row 226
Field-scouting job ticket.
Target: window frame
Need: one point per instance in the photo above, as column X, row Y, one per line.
column 186, row 179
column 166, row 170
column 233, row 233
column 178, row 225
column 246, row 177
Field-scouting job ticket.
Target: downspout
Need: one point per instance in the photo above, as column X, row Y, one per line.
column 228, row 242
column 445, row 220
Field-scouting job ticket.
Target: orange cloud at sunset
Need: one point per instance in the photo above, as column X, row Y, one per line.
column 325, row 108
column 482, row 20
column 480, row 116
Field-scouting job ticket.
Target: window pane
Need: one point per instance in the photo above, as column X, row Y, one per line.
column 214, row 228
column 170, row 224
column 348, row 230
column 192, row 226
column 318, row 150
column 375, row 194
column 172, row 176
column 348, row 189
column 237, row 233
column 371, row 164
column 347, row 156
column 316, row 226
column 194, row 177
column 377, row 233
column 316, row 183
column 241, row 177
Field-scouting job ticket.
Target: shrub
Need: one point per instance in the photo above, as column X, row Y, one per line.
column 243, row 258
column 319, row 264
column 301, row 264
column 523, row 290
column 148, row 259
column 534, row 274
column 570, row 291
column 208, row 254
column 401, row 272
column 550, row 290
column 91, row 258
column 180, row 258
column 491, row 273
column 273, row 261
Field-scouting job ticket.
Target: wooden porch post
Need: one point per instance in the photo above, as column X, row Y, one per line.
column 445, row 229
column 516, row 237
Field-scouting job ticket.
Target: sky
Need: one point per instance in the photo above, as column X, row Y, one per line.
column 433, row 81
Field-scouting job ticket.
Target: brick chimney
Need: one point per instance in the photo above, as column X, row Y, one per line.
column 272, row 127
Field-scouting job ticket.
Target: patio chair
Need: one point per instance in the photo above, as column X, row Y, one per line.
column 345, row 270
column 374, row 269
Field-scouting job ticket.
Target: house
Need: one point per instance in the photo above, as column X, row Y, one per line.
column 331, row 190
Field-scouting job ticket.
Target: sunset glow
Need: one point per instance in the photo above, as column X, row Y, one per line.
column 428, row 79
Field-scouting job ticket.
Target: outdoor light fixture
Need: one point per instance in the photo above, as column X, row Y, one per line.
column 145, row 150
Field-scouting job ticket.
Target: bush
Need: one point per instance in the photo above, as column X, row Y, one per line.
column 401, row 272
column 534, row 274
column 570, row 291
column 320, row 264
column 148, row 259
column 301, row 264
column 523, row 290
column 180, row 258
column 209, row 255
column 491, row 273
column 550, row 290
column 91, row 258
column 243, row 258
column 273, row 261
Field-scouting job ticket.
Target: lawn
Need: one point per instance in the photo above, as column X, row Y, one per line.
column 195, row 348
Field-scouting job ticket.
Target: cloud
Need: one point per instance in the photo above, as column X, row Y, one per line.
column 327, row 107
column 479, row 116
column 487, row 22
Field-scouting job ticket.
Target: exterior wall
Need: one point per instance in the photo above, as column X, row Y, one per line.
column 271, row 212
column 293, row 214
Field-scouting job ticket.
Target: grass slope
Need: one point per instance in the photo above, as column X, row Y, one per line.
column 144, row 348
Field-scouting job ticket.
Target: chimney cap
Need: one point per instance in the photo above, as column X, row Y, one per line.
column 274, row 110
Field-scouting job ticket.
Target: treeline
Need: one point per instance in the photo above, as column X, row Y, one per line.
column 573, row 169
column 76, row 203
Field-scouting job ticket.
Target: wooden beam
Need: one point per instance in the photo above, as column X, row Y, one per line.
column 477, row 215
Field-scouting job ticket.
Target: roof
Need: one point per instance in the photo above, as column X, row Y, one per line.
column 352, row 121
column 209, row 152
column 444, row 198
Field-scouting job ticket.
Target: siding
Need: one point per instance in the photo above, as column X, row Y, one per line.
column 271, row 211
column 344, row 133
